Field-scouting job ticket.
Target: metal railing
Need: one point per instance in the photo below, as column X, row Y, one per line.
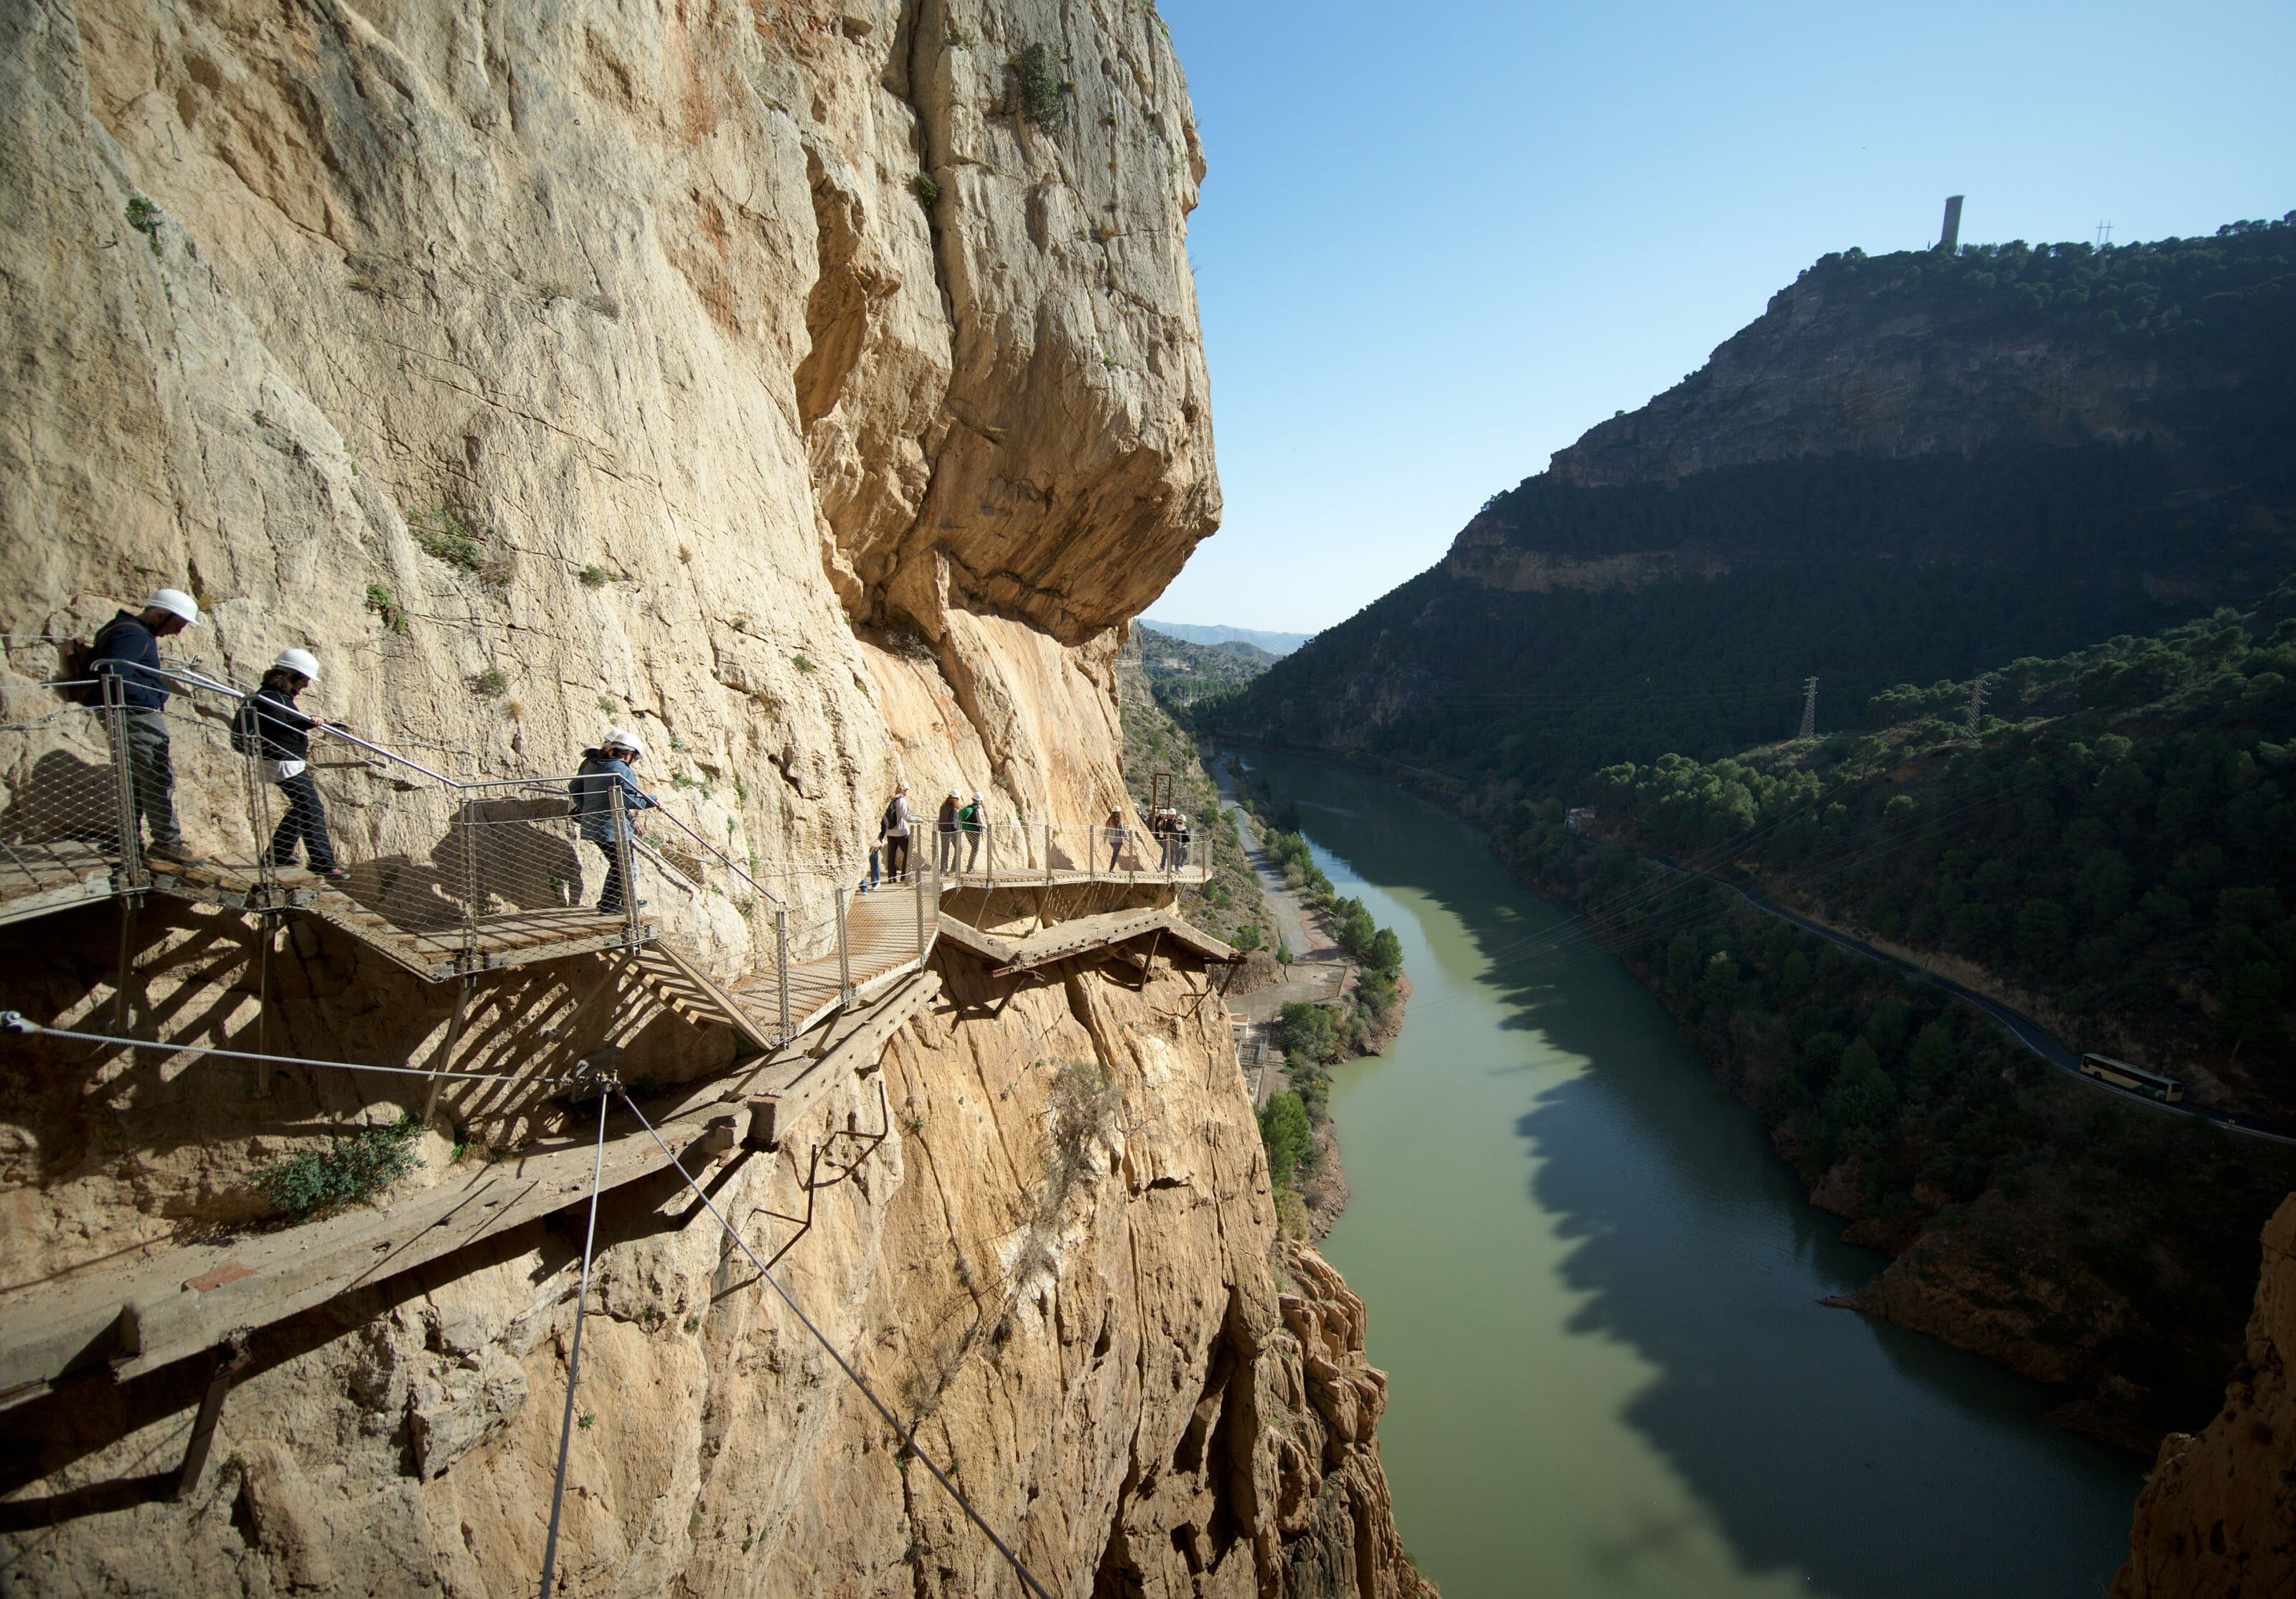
column 455, row 871
column 67, row 799
column 1018, row 852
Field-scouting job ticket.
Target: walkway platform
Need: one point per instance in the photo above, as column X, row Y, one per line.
column 781, row 1088
column 518, row 939
column 136, row 1319
column 38, row 879
column 1085, row 935
column 235, row 883
column 1061, row 877
column 881, row 934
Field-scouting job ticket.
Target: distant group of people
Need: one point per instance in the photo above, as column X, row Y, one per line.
column 1166, row 826
column 959, row 828
column 1169, row 828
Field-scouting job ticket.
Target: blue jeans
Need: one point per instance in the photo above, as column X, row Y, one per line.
column 609, row 900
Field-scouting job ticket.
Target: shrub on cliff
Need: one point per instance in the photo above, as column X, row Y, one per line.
column 354, row 1168
column 1284, row 1129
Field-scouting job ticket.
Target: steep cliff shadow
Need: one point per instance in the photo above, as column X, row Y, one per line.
column 1880, row 1464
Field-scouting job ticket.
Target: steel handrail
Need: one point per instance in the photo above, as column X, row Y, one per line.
column 214, row 685
column 726, row 860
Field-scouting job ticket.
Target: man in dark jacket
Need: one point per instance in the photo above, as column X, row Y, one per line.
column 127, row 652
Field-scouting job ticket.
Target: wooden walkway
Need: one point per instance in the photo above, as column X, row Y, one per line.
column 178, row 1302
column 1083, row 936
column 138, row 1318
column 518, row 939
column 36, row 879
column 880, row 931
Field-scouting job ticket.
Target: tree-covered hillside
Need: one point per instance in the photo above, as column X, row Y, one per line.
column 2120, row 842
column 1577, row 625
column 2115, row 851
column 1180, row 672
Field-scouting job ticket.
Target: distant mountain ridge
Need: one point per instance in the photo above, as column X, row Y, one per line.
column 1275, row 643
column 1180, row 672
column 1908, row 467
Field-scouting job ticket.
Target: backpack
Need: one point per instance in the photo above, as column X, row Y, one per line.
column 892, row 817
column 77, row 661
column 246, row 737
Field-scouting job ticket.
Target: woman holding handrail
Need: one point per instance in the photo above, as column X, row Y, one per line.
column 603, row 770
column 282, row 736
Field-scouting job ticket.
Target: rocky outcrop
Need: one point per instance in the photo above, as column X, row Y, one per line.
column 1861, row 363
column 813, row 385
column 2218, row 1515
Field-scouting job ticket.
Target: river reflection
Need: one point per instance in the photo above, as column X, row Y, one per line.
column 1595, row 1289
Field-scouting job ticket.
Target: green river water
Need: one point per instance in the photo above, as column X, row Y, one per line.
column 1595, row 1289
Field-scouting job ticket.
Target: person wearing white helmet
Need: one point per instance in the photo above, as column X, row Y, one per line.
column 126, row 652
column 603, row 770
column 271, row 727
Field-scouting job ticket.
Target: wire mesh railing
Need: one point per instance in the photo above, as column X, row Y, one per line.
column 458, row 874
column 1015, row 852
column 66, row 797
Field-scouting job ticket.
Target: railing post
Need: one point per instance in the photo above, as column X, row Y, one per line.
column 781, row 964
column 259, row 814
column 626, row 866
column 844, row 956
column 920, row 903
column 123, row 773
column 1048, row 858
column 467, row 822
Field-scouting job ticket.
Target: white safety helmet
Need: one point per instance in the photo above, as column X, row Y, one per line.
column 976, row 798
column 299, row 661
column 617, row 738
column 176, row 601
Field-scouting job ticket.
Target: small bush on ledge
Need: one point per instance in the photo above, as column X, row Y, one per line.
column 359, row 1167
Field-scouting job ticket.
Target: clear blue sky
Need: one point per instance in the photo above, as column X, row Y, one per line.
column 1436, row 246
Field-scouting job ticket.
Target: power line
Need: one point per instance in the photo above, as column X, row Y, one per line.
column 908, row 1439
column 574, row 1360
column 16, row 1021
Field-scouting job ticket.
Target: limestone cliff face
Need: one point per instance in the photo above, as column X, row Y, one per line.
column 793, row 382
column 2219, row 1514
column 649, row 298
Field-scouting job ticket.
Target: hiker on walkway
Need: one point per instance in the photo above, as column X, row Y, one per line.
column 127, row 650
column 893, row 834
column 603, row 770
column 973, row 819
column 1181, row 839
column 1118, row 834
column 1160, row 825
column 269, row 726
column 945, row 839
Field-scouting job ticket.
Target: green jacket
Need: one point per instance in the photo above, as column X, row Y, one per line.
column 968, row 818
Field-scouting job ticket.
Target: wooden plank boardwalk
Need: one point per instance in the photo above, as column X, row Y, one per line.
column 515, row 939
column 177, row 1302
column 36, row 879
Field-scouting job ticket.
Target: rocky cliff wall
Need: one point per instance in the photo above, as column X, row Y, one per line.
column 813, row 388
column 1857, row 366
column 619, row 354
column 2218, row 1515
